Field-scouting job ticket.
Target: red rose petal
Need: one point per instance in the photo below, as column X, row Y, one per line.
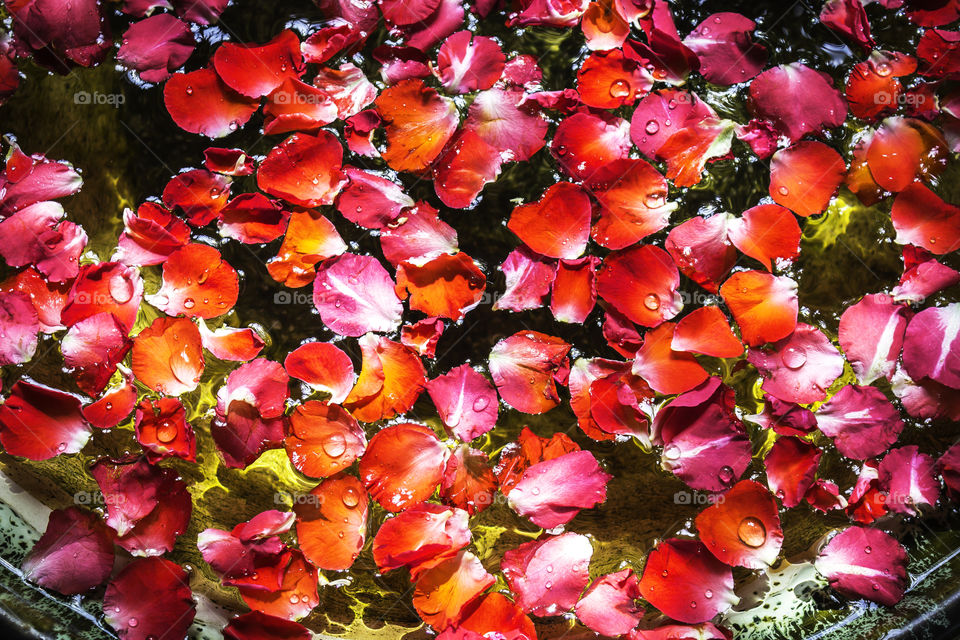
column 422, row 337
column 904, row 149
column 799, row 368
column 156, row 47
column 764, row 305
column 323, row 439
column 250, row 411
column 418, row 123
column 529, row 449
column 260, row 626
column 113, row 406
column 230, row 343
column 19, row 326
column 304, row 169
column 168, row 357
column 355, row 295
column 162, row 430
column 466, row 401
column 496, row 117
column 848, row 18
column 467, row 63
column 348, row 87
column 39, row 423
column 74, row 554
column 468, row 165
column 323, row 366
column 468, row 481
column 706, row 330
column 797, row 100
column 310, row 238
column 47, row 298
column 608, row 606
column 296, row 106
column 641, row 282
column 574, row 289
column 548, row 575
column 197, row 282
column 391, row 379
column 529, row 278
column 702, row 251
column 743, row 530
column 151, row 597
column 446, row 287
column 150, row 235
column 419, row 535
column 558, row 224
column 331, row 529
column 632, row 203
column 418, row 236
column 372, row 201
column 608, row 80
column 199, row 102
column 871, row 334
column 523, row 367
column 791, row 466
column 252, row 218
column 552, row 492
column 664, row 369
column 92, row 348
column 584, row 143
column 865, row 563
column 661, row 114
column 727, row 53
column 297, row 595
column 921, row 218
column 256, row 70
column 861, row 421
column 105, row 287
column 678, row 576
column 231, row 162
column 804, row 176
column 402, row 466
column 445, row 589
column 909, row 479
column 931, row 345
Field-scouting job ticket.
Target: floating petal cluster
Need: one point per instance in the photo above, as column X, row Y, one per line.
column 389, row 119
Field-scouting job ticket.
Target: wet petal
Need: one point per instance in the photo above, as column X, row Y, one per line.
column 799, row 368
column 418, row 236
column 468, row 481
column 791, row 466
column 105, row 287
column 524, row 365
column 418, row 123
column 631, row 202
column 197, row 282
column 296, row 106
column 574, row 292
column 199, row 102
column 447, row 287
column 47, row 298
column 861, row 421
column 156, row 47
column 706, row 330
column 467, row 165
column 256, row 70
column 848, row 18
column 679, row 575
column 323, row 439
column 496, row 117
column 466, row 401
column 150, row 235
column 310, row 238
column 92, row 348
column 304, row 169
column 608, row 606
column 19, row 326
column 552, row 492
column 445, row 589
column 764, row 305
column 419, row 535
column 151, row 597
column 641, row 282
column 608, row 80
column 744, row 529
column 402, row 466
column 704, row 443
column 931, row 345
column 726, row 50
column 252, row 218
column 467, row 63
column 371, row 200
column 661, row 114
column 584, row 143
column 391, row 379
column 332, row 527
column 74, row 554
column 40, row 423
column 702, row 250
column 260, row 626
column 250, row 411
column 558, row 224
column 323, row 366
column 348, row 87
column 797, row 100
column 529, row 449
column 865, row 563
column 355, row 295
column 113, row 406
column 909, row 479
column 921, row 218
column 229, row 343
column 548, row 575
column 664, row 369
column 529, row 278
column 167, row 356
column 231, row 162
column 162, row 430
column 297, row 595
column 871, row 334
column 804, row 176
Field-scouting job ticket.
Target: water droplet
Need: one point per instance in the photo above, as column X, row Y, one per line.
column 726, row 474
column 549, row 568
column 335, row 445
column 783, row 190
column 655, row 200
column 480, row 404
column 933, row 240
column 188, row 303
column 166, row 432
column 882, row 69
column 619, row 89
column 561, row 150
column 109, row 406
column 708, row 594
column 867, row 549
column 752, row 532
column 875, row 586
column 663, row 573
column 652, row 301
column 294, row 599
column 62, row 447
column 548, row 585
column 121, row 289
column 350, row 497
column 182, row 367
column 793, row 357
column 652, row 127
column 132, row 622
column 189, row 90
column 234, row 125
column 693, row 604
column 672, row 104
column 671, row 452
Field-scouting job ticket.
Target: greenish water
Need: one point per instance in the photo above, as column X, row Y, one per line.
column 128, row 153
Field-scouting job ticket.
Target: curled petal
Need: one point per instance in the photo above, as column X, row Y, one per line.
column 631, row 202
column 199, row 102
column 197, row 282
column 391, row 379
column 871, row 334
column 445, row 589
column 323, row 439
column 19, row 326
column 40, row 423
column 765, row 306
column 791, row 466
column 725, row 48
column 310, row 238
column 105, row 287
column 702, row 250
column 865, row 563
column 584, row 144
column 931, row 345
column 608, row 606
column 664, row 369
column 468, row 63
column 162, row 430
column 419, row 535
column 323, row 366
column 529, row 278
column 922, row 218
column 574, row 289
column 468, row 481
column 168, row 357
column 156, row 47
column 418, row 236
column 706, row 330
column 909, row 479
column 861, row 421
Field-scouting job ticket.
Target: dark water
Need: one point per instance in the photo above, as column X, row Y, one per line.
column 127, row 154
